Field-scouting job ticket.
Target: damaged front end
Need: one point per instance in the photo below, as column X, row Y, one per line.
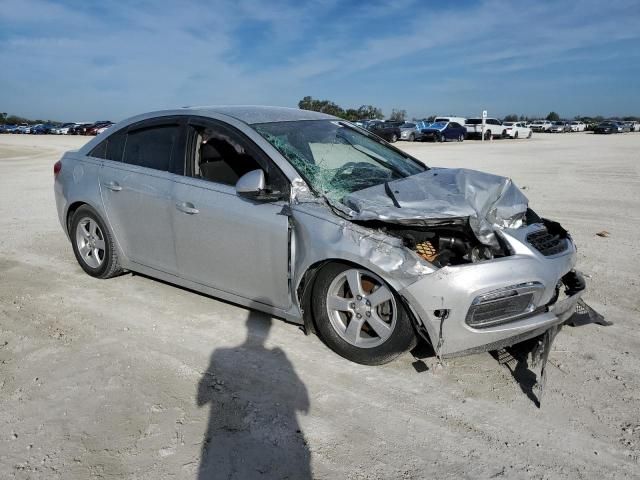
column 499, row 273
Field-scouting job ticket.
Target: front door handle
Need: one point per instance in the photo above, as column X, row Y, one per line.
column 187, row 207
column 115, row 186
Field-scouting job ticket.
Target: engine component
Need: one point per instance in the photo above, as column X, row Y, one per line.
column 427, row 251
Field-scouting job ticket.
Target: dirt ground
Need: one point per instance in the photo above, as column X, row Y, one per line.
column 134, row 378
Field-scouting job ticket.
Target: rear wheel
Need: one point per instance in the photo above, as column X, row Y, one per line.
column 516, row 135
column 412, row 137
column 93, row 244
column 441, row 138
column 394, row 138
column 359, row 317
column 487, row 135
column 530, row 134
column 461, row 138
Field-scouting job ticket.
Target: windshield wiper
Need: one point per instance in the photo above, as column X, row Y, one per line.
column 391, row 195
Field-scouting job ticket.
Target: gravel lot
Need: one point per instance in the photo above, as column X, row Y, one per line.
column 134, row 378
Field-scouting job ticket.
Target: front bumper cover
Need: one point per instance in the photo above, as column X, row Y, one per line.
column 442, row 300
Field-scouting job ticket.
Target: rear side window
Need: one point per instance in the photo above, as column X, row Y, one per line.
column 151, row 147
column 111, row 148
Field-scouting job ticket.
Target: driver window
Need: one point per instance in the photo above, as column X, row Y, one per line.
column 221, row 156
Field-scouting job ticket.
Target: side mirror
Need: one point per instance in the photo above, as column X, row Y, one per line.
column 251, row 184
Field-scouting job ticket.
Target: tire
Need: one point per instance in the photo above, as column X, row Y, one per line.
column 441, row 138
column 516, row 135
column 412, row 138
column 461, row 138
column 93, row 244
column 504, row 134
column 530, row 134
column 487, row 135
column 394, row 138
column 379, row 333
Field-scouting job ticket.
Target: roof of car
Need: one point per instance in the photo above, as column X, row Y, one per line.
column 261, row 114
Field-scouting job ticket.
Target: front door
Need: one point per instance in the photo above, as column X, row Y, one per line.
column 223, row 240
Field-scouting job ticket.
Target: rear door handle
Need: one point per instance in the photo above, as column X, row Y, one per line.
column 187, row 207
column 115, row 186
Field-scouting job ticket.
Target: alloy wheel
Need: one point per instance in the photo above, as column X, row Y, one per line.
column 361, row 308
column 90, row 242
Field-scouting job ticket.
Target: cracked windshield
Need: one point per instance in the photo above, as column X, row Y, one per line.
column 335, row 158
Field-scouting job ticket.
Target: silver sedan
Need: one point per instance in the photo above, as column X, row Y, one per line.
column 314, row 220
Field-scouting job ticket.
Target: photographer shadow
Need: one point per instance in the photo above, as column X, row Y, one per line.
column 254, row 395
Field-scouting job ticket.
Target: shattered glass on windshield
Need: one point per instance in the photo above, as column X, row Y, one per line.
column 336, row 159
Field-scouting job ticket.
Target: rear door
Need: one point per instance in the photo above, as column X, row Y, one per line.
column 136, row 192
column 223, row 240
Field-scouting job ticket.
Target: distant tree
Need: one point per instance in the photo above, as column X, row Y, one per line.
column 431, row 118
column 598, row 118
column 351, row 114
column 398, row 115
column 331, row 108
column 511, row 118
column 553, row 117
column 370, row 112
column 4, row 116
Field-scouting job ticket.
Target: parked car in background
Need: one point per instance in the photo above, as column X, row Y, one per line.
column 103, row 128
column 541, row 125
column 42, row 129
column 444, row 119
column 577, row 126
column 409, row 132
column 493, row 128
column 518, row 129
column 23, row 128
column 63, row 129
column 623, row 127
column 94, row 129
column 8, row 128
column 390, row 131
column 560, row 127
column 375, row 248
column 443, row 131
column 367, row 124
column 80, row 129
column 606, row 128
column 635, row 126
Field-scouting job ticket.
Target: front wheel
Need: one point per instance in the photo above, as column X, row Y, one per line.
column 487, row 135
column 530, row 134
column 394, row 138
column 412, row 138
column 516, row 135
column 441, row 138
column 359, row 317
column 461, row 138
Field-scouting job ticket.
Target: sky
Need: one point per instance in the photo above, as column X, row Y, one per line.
column 83, row 60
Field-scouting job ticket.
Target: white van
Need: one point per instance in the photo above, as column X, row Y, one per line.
column 460, row 120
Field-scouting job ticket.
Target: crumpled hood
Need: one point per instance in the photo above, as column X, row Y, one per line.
column 487, row 201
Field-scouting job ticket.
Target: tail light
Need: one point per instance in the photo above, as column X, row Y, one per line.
column 56, row 168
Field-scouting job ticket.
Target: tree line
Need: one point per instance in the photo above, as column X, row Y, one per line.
column 371, row 112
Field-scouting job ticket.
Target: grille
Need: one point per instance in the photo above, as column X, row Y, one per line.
column 546, row 243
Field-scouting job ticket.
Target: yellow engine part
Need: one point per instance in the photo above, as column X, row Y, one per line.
column 427, row 251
